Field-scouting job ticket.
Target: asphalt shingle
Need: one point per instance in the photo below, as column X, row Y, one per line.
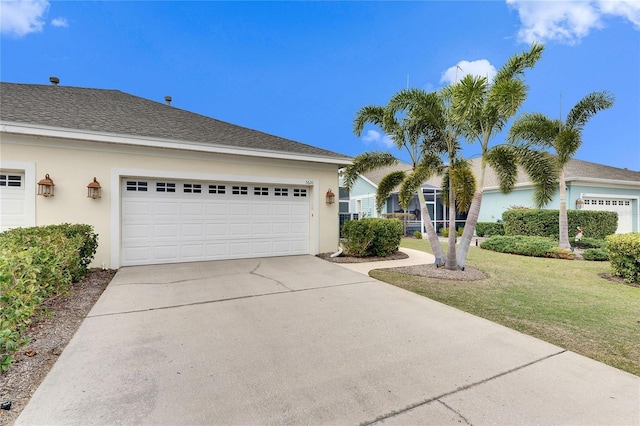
column 116, row 112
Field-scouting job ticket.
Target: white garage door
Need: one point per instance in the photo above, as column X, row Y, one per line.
column 12, row 200
column 621, row 206
column 165, row 221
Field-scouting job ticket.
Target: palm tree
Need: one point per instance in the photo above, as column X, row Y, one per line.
column 535, row 130
column 441, row 133
column 409, row 133
column 482, row 110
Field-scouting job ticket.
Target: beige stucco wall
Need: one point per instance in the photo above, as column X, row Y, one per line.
column 73, row 164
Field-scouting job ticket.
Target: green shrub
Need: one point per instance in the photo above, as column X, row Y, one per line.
column 460, row 231
column 522, row 245
column 624, row 254
column 545, row 223
column 597, row 254
column 417, row 235
column 37, row 263
column 444, row 232
column 488, row 229
column 589, row 243
column 372, row 237
column 400, row 216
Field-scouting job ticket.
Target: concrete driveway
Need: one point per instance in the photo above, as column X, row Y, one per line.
column 297, row 340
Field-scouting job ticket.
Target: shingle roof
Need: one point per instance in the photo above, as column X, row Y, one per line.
column 574, row 170
column 116, row 112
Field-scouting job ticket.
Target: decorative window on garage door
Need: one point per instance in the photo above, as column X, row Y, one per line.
column 165, row 187
column 137, row 186
column 217, row 189
column 12, row 181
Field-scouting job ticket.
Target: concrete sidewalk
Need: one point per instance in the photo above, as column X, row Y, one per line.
column 297, row 340
column 416, row 257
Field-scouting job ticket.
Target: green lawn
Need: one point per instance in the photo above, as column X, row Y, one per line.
column 564, row 302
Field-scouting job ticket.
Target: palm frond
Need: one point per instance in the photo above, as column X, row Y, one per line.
column 587, row 107
column 468, row 97
column 505, row 98
column 542, row 168
column 567, row 144
column 371, row 114
column 503, row 160
column 386, row 186
column 518, row 63
column 464, row 185
column 444, row 187
column 365, row 163
column 534, row 129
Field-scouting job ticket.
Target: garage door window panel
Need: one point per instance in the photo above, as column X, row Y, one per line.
column 11, row 181
column 217, row 189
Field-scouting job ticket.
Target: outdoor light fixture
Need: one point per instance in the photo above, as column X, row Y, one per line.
column 94, row 189
column 579, row 203
column 45, row 187
column 331, row 197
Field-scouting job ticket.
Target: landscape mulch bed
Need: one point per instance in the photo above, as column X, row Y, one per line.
column 47, row 339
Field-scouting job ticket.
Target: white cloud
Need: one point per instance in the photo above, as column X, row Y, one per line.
column 59, row 22
column 481, row 67
column 627, row 9
column 21, row 17
column 377, row 138
column 569, row 21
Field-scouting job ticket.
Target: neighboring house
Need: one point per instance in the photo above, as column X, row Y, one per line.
column 590, row 186
column 363, row 195
column 175, row 186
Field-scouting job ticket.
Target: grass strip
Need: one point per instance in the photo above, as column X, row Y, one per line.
column 564, row 302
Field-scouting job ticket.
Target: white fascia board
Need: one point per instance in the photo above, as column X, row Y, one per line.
column 577, row 180
column 613, row 182
column 523, row 185
column 56, row 132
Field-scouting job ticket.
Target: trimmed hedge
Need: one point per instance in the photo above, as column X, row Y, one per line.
column 372, row 237
column 589, row 243
column 596, row 254
column 488, row 229
column 37, row 263
column 545, row 223
column 624, row 254
column 526, row 246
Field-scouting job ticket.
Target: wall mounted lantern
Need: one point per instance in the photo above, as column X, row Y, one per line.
column 579, row 203
column 45, row 186
column 94, row 189
column 331, row 197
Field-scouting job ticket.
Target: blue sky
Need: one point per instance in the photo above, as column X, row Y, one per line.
column 301, row 70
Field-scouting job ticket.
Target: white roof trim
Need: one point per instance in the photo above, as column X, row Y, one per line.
column 577, row 180
column 57, row 132
column 603, row 181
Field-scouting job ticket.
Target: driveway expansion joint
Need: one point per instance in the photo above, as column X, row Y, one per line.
column 457, row 390
column 207, row 302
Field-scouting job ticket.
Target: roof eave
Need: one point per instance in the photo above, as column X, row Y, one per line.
column 76, row 134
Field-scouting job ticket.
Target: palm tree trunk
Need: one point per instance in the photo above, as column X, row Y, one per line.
column 563, row 221
column 452, row 263
column 436, row 247
column 472, row 219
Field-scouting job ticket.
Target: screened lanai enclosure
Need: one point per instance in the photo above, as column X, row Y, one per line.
column 351, row 209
